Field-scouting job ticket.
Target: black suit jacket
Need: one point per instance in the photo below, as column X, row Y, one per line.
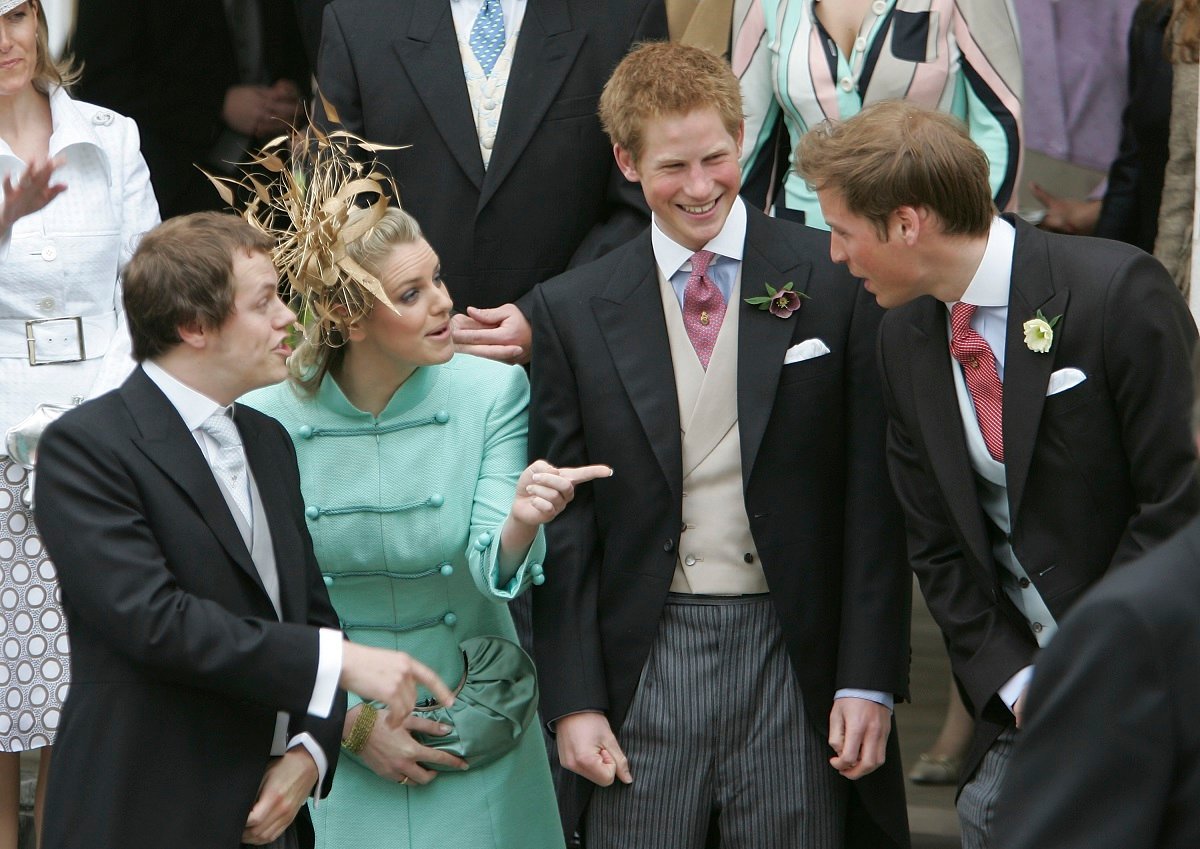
column 167, row 64
column 812, row 440
column 1109, row 757
column 394, row 74
column 1096, row 474
column 179, row 663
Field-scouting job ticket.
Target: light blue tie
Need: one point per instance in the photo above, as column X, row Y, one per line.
column 230, row 461
column 487, row 35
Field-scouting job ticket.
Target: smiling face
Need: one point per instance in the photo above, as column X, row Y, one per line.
column 420, row 334
column 688, row 168
column 249, row 350
column 18, row 49
column 886, row 266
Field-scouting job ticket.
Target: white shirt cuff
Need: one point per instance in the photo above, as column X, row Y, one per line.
column 1016, row 685
column 329, row 670
column 318, row 755
column 879, row 698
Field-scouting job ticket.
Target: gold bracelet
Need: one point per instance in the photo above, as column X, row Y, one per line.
column 361, row 730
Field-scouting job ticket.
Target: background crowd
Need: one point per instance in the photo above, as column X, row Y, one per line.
column 521, row 439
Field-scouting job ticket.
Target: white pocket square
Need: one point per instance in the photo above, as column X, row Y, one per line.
column 1064, row 379
column 806, row 350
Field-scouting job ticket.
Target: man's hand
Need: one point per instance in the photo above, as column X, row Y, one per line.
column 260, row 111
column 393, row 753
column 586, row 746
column 390, row 677
column 858, row 732
column 501, row 334
column 31, row 192
column 285, row 787
column 1018, row 707
column 1067, row 215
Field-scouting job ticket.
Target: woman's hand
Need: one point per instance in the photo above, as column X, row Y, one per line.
column 31, row 192
column 394, row 754
column 543, row 490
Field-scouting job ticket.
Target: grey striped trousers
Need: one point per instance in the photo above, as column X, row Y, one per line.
column 717, row 729
column 977, row 802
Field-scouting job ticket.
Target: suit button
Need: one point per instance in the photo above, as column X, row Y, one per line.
column 1037, row 627
column 1024, row 583
column 690, row 560
column 441, row 417
column 49, row 253
column 312, row 513
column 328, row 579
column 447, row 569
column 669, row 546
column 450, row 620
column 748, row 557
column 438, row 501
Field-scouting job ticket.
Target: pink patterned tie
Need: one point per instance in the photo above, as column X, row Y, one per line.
column 983, row 381
column 703, row 307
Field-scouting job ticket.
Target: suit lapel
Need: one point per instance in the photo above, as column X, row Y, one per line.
column 429, row 53
column 170, row 446
column 545, row 51
column 763, row 338
column 631, row 320
column 941, row 424
column 1026, row 373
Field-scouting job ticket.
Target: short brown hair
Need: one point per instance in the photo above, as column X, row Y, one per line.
column 182, row 275
column 666, row 78
column 894, row 154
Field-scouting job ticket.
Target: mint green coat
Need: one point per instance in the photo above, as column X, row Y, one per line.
column 405, row 512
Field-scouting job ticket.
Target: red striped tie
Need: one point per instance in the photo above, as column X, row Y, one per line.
column 983, row 380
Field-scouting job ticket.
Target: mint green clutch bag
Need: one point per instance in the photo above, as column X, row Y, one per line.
column 494, row 704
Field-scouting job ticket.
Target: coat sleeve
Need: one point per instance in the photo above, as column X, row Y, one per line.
column 565, row 626
column 873, row 652
column 115, row 578
column 986, row 646
column 1100, row 706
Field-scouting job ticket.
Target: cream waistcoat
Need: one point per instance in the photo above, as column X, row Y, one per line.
column 716, row 551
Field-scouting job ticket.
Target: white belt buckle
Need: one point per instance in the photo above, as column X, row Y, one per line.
column 54, row 337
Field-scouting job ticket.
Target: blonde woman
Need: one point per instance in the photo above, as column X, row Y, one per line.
column 76, row 193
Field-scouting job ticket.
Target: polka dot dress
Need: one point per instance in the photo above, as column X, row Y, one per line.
column 34, row 668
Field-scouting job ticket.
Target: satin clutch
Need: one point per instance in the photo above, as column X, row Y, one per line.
column 494, row 704
column 21, row 441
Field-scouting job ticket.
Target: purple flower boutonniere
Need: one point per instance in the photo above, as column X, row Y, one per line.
column 782, row 302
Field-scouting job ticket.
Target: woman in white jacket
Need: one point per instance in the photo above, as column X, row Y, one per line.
column 76, row 194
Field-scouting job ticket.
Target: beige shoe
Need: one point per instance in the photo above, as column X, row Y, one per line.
column 934, row 770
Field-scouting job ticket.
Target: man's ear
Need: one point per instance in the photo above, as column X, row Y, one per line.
column 907, row 222
column 194, row 335
column 626, row 163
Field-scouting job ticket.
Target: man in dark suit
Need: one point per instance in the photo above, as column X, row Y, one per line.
column 504, row 164
column 730, row 609
column 1109, row 756
column 205, row 654
column 1038, row 390
column 204, row 79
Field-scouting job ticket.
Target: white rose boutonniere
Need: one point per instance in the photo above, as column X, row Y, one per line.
column 1039, row 333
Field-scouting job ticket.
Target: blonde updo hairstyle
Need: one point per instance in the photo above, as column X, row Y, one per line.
column 313, row 359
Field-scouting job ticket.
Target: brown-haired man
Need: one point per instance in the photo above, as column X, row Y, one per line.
column 205, row 654
column 1038, row 389
column 730, row 608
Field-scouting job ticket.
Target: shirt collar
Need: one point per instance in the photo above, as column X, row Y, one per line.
column 670, row 256
column 193, row 407
column 69, row 127
column 993, row 279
